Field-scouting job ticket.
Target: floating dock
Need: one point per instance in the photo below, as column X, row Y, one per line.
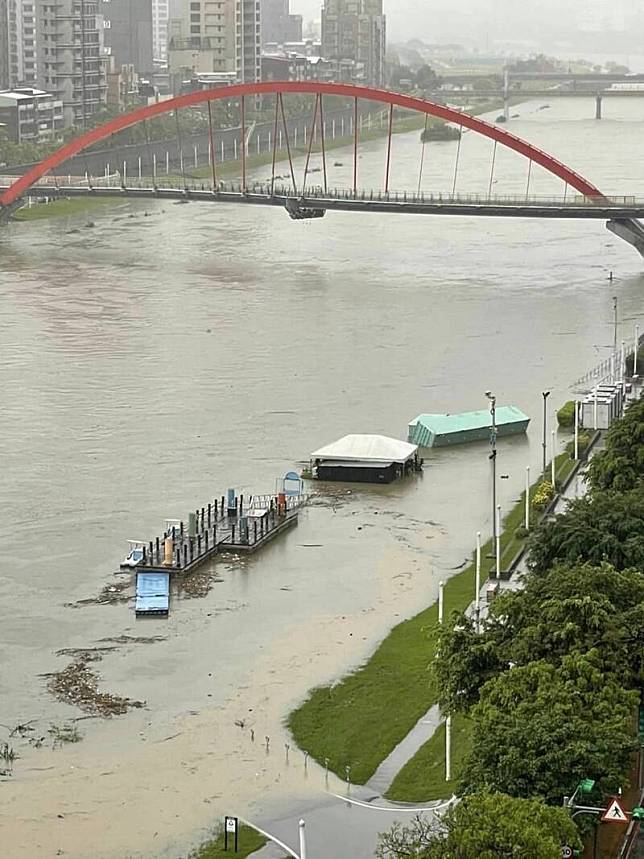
column 152, row 593
column 365, row 459
column 234, row 524
column 444, row 430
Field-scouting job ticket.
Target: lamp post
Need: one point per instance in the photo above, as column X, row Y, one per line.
column 544, row 445
column 492, row 400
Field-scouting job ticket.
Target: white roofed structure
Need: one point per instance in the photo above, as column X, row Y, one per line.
column 369, row 449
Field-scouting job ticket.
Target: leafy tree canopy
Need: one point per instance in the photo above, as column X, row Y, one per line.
column 620, row 466
column 603, row 527
column 485, row 826
column 579, row 608
column 540, row 728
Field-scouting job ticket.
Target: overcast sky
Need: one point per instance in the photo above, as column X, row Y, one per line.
column 489, row 21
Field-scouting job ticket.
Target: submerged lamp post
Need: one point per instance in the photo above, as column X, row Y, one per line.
column 544, row 445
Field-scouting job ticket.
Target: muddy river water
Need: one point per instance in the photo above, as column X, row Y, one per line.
column 171, row 351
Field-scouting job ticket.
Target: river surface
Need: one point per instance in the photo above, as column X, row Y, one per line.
column 173, row 351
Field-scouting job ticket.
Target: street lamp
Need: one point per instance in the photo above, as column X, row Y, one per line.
column 492, row 400
column 544, row 445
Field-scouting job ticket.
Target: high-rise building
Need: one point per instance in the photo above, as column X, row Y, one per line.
column 248, row 41
column 69, row 62
column 355, row 31
column 215, row 37
column 278, row 25
column 4, row 44
column 160, row 16
column 127, row 33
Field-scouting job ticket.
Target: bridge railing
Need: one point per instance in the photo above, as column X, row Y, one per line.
column 317, row 192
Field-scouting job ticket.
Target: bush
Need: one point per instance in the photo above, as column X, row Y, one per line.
column 521, row 533
column 544, row 494
column 584, row 443
column 566, row 415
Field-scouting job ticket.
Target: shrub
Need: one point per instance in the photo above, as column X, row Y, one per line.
column 543, row 495
column 566, row 415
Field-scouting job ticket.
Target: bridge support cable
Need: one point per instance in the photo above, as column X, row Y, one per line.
column 211, row 143
column 310, row 146
column 355, row 147
column 422, row 155
column 180, row 142
column 527, row 188
column 389, row 136
column 277, row 109
column 458, row 157
column 322, row 139
column 489, row 192
column 288, row 145
column 243, row 142
column 151, row 160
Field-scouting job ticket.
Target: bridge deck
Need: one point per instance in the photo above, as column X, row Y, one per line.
column 577, row 207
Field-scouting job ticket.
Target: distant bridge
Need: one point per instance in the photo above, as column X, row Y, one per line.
column 581, row 197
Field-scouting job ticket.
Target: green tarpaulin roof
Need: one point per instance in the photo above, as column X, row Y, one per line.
column 446, row 424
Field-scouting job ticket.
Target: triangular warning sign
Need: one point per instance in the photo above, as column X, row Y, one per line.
column 614, row 813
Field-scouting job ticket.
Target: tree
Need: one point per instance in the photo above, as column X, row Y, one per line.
column 540, row 728
column 603, row 527
column 485, row 826
column 566, row 609
column 620, row 466
column 426, row 78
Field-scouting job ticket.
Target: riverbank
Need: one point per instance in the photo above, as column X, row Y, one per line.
column 358, row 722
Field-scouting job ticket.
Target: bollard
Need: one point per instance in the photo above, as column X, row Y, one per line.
column 232, row 539
column 206, row 536
column 255, row 531
column 209, row 515
column 222, row 507
column 179, row 559
column 192, row 525
column 241, row 505
column 185, row 555
column 174, row 534
column 215, row 509
column 167, row 553
column 181, row 528
column 157, row 548
column 144, row 554
column 198, row 545
column 192, row 551
column 214, row 536
column 151, row 553
column 203, row 514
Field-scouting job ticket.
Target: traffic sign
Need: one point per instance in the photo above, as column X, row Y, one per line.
column 231, row 824
column 566, row 852
column 614, row 813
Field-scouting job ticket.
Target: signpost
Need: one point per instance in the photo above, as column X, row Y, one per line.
column 614, row 813
column 231, row 827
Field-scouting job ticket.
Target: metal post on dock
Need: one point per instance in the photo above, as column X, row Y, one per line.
column 206, row 538
column 233, row 534
column 145, row 560
column 185, row 555
column 209, row 515
column 214, row 536
column 241, row 505
column 198, row 545
column 255, row 531
column 180, row 528
column 151, row 554
column 157, row 549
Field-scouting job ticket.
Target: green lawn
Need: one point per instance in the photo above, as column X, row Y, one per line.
column 250, row 841
column 422, row 779
column 358, row 721
column 60, row 208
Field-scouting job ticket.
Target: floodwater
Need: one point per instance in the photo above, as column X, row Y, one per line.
column 151, row 362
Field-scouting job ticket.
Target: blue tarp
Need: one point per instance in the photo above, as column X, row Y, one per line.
column 152, row 593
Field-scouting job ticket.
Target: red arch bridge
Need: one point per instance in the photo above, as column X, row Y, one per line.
column 313, row 198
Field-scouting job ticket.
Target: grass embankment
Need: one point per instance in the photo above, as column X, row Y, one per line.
column 249, row 841
column 360, row 720
column 60, row 208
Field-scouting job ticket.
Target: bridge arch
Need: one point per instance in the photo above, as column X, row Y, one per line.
column 193, row 99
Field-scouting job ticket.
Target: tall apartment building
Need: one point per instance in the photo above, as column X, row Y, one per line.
column 355, row 31
column 69, row 62
column 127, row 33
column 21, row 41
column 248, row 40
column 4, row 44
column 215, row 37
column 160, row 17
column 278, row 24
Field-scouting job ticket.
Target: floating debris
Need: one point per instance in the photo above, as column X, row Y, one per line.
column 114, row 594
column 77, row 684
